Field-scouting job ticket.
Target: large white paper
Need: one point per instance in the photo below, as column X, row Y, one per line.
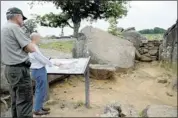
column 69, row 66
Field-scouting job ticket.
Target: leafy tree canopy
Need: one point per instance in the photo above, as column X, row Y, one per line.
column 30, row 26
column 76, row 10
column 156, row 30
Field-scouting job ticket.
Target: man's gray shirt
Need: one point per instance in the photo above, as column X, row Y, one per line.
column 13, row 40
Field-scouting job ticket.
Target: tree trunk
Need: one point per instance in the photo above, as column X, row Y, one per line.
column 62, row 31
column 76, row 29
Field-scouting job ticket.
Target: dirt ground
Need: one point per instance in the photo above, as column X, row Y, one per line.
column 138, row 87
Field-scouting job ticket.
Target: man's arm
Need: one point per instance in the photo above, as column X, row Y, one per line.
column 29, row 48
column 38, row 56
column 23, row 40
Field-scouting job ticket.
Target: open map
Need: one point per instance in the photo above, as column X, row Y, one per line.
column 69, row 66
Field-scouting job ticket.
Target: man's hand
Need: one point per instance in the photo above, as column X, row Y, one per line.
column 29, row 48
column 58, row 64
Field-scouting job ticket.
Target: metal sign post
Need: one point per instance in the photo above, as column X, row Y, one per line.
column 78, row 66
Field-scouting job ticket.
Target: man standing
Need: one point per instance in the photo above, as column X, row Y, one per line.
column 15, row 46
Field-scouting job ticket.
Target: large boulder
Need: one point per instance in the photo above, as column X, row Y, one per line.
column 104, row 48
column 159, row 111
column 134, row 37
column 129, row 29
column 4, row 83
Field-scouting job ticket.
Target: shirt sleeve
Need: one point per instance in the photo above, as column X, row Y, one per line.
column 41, row 58
column 21, row 37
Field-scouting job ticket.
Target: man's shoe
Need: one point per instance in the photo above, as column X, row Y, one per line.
column 45, row 109
column 41, row 112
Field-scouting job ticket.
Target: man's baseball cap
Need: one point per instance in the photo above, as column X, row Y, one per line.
column 15, row 10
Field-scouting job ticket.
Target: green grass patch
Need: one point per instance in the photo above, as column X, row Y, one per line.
column 64, row 46
column 153, row 36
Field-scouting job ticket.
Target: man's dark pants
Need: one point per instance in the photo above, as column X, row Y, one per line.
column 21, row 90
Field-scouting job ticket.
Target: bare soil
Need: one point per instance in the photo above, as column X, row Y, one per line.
column 138, row 87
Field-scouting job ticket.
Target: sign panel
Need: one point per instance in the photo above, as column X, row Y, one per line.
column 69, row 66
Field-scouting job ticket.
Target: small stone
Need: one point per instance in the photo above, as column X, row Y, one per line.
column 62, row 106
column 147, row 54
column 145, row 50
column 162, row 80
column 145, row 58
column 150, row 45
column 65, row 91
column 110, row 88
column 153, row 52
column 154, row 58
column 169, row 93
column 74, row 86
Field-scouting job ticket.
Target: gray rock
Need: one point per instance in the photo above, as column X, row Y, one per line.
column 169, row 93
column 160, row 51
column 6, row 113
column 168, row 52
column 104, row 48
column 174, row 84
column 153, row 52
column 174, row 57
column 134, row 37
column 110, row 112
column 145, row 58
column 129, row 29
column 4, row 82
column 120, row 110
column 160, row 111
column 154, row 58
column 140, row 51
column 162, row 80
column 145, row 50
column 98, row 71
column 150, row 44
column 137, row 55
column 147, row 54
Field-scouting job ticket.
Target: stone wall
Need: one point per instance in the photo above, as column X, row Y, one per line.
column 149, row 50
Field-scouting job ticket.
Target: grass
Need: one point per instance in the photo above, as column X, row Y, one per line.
column 63, row 46
column 153, row 36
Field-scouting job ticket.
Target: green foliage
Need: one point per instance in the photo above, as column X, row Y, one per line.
column 63, row 46
column 30, row 26
column 76, row 10
column 156, row 30
column 153, row 36
column 113, row 27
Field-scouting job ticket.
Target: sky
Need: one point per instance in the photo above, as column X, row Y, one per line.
column 141, row 15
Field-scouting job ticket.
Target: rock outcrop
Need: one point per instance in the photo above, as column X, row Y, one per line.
column 104, row 48
column 4, row 84
column 98, row 71
column 159, row 111
column 133, row 36
column 119, row 110
column 168, row 48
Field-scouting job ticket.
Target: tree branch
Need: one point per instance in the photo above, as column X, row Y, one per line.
column 69, row 25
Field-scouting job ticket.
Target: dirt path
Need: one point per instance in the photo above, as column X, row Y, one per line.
column 138, row 87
